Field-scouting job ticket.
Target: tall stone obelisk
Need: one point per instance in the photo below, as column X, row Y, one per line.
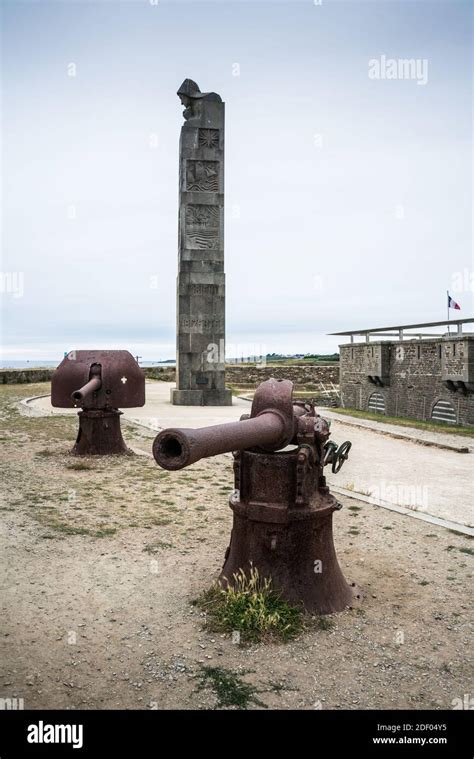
column 200, row 349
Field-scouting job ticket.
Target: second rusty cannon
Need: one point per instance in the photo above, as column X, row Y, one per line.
column 282, row 507
column 100, row 382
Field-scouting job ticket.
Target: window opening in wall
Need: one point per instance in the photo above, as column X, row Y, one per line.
column 377, row 403
column 444, row 411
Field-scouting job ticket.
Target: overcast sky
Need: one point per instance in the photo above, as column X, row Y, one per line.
column 348, row 197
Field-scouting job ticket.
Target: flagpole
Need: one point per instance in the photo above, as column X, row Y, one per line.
column 447, row 293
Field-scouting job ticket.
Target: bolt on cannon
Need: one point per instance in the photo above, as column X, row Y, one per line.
column 282, row 507
column 100, row 382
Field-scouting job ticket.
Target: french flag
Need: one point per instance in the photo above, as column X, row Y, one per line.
column 452, row 303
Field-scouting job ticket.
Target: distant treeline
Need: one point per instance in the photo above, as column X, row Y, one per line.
column 303, row 357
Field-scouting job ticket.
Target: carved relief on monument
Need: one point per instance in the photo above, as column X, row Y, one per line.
column 203, row 289
column 203, row 216
column 208, row 138
column 190, row 323
column 202, row 227
column 205, row 239
column 202, row 176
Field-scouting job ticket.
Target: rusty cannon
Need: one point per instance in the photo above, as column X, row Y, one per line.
column 100, row 382
column 282, row 507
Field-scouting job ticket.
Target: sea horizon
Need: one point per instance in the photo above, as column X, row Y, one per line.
column 48, row 364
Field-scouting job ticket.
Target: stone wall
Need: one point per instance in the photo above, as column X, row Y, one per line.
column 21, row 376
column 300, row 374
column 163, row 373
column 240, row 374
column 416, row 378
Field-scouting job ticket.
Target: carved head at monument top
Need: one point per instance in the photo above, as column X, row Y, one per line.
column 190, row 96
column 188, row 90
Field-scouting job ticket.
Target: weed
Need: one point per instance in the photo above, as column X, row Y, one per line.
column 79, row 466
column 158, row 521
column 461, row 549
column 323, row 622
column 157, row 546
column 229, row 687
column 252, row 607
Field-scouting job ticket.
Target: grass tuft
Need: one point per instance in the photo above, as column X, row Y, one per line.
column 324, row 622
column 251, row 607
column 157, row 546
column 228, row 687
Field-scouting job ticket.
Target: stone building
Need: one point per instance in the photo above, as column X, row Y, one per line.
column 418, row 375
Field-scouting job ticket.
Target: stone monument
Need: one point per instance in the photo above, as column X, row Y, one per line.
column 200, row 349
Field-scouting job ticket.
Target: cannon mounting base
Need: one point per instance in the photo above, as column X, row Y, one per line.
column 298, row 555
column 99, row 433
column 289, row 542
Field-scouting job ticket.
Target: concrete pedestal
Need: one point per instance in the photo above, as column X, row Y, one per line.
column 201, row 397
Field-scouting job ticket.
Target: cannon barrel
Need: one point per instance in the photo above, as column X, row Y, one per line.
column 94, row 384
column 273, row 424
column 177, row 448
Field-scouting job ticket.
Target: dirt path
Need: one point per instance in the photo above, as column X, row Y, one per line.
column 101, row 559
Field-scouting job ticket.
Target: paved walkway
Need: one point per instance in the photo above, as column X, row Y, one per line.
column 385, row 470
column 159, row 413
column 425, row 437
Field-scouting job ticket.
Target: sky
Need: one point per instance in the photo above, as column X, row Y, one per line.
column 348, row 184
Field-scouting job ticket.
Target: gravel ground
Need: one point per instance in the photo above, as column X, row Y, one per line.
column 427, row 480
column 101, row 559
